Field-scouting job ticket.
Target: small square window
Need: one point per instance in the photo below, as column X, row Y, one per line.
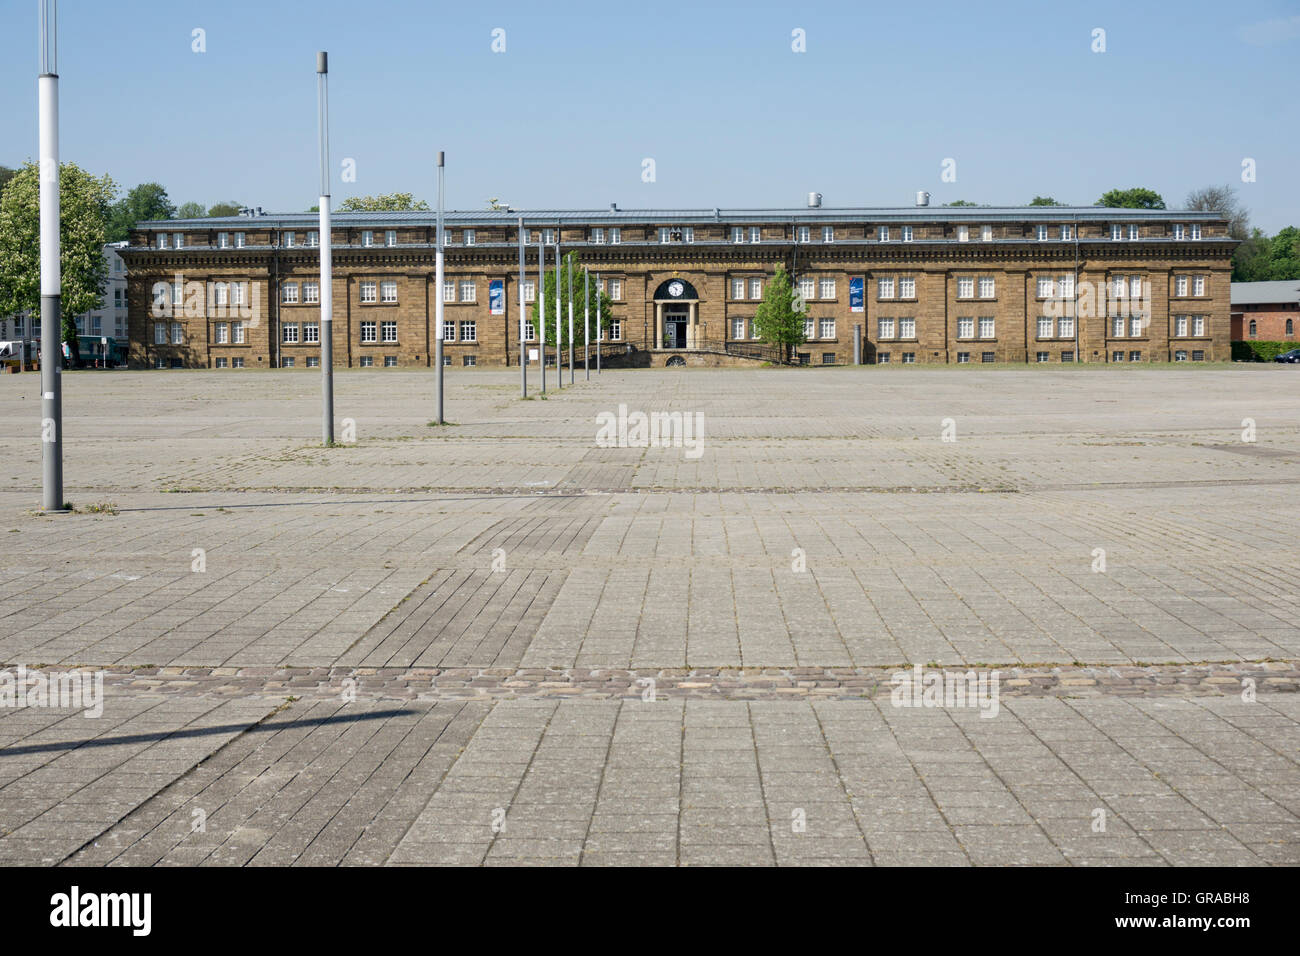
column 469, row 360
column 988, row 357
column 390, row 361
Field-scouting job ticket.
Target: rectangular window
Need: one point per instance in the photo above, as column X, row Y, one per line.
column 448, row 330
column 1116, row 232
column 178, row 334
column 753, row 329
column 828, row 358
column 963, row 233
column 737, row 328
column 907, row 233
column 808, row 288
column 615, row 236
column 1198, row 285
column 756, row 288
column 907, row 328
column 1196, row 230
column 616, row 329
column 1067, row 356
column 468, row 291
column 1045, row 326
column 885, row 288
column 755, row 234
column 1065, row 327
column 1042, row 233
column 221, row 294
column 616, row 289
column 237, row 362
column 239, row 293
column 530, row 290
column 470, row 237
column 389, row 330
column 1180, row 326
column 368, row 361
column 530, row 332
column 966, row 327
column 1065, row 287
column 239, row 242
column 1198, row 355
column 388, row 291
column 826, row 329
column 548, row 237
column 1117, row 327
column 367, row 237
column 1135, row 356
column 368, row 291
column 468, row 331
column 160, row 333
column 1046, row 287
column 390, row 237
column 290, row 333
column 1198, row 325
column 826, row 289
column 1042, row 356
column 882, row 233
column 1135, row 327
column 808, row 330
column 313, row 239
column 828, row 233
column 1180, row 355
column 313, row 361
column 986, row 233
column 390, row 361
column 598, row 236
column 885, row 329
column 449, row 290
column 368, row 331
column 907, row 288
column 1132, row 232
column 966, row 288
column 963, row 358
column 987, row 287
column 221, row 363
column 803, row 234
column 988, row 357
column 287, row 238
column 469, row 360
column 1135, row 287
column 986, row 327
column 737, row 288
column 237, row 335
column 162, row 240
column 311, row 292
column 310, row 333
column 290, row 292
column 222, row 331
column 909, row 358
column 1067, row 233
column 1119, row 287
column 223, row 240
column 1117, row 356
column 882, row 358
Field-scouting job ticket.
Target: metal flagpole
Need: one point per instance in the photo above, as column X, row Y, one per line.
column 326, row 253
column 47, row 89
column 570, row 270
column 523, row 355
column 540, row 299
column 586, row 322
column 600, row 331
column 559, row 364
column 438, row 308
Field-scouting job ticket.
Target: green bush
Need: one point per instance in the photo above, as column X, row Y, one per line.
column 1253, row 351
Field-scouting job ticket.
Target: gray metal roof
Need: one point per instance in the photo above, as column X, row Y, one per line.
column 609, row 217
column 1265, row 293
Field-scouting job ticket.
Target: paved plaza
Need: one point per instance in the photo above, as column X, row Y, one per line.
column 504, row 641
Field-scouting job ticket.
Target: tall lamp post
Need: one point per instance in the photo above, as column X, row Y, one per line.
column 570, row 271
column 586, row 322
column 47, row 89
column 600, row 330
column 326, row 253
column 559, row 351
column 540, row 299
column 523, row 355
column 439, row 295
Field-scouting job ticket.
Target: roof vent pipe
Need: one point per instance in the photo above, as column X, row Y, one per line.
column 814, row 200
column 922, row 197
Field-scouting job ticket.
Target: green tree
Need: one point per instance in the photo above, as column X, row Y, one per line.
column 543, row 311
column 390, row 202
column 779, row 319
column 225, row 209
column 961, row 202
column 147, row 201
column 191, row 210
column 1044, row 201
column 1262, row 258
column 6, row 174
column 84, row 205
column 1135, row 198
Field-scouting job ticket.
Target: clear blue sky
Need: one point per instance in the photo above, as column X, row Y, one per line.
column 712, row 92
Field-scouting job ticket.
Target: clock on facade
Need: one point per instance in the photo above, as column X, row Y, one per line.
column 676, row 289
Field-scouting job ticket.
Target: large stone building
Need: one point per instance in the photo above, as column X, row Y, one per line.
column 926, row 285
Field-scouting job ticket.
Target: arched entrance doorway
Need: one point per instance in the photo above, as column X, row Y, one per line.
column 677, row 315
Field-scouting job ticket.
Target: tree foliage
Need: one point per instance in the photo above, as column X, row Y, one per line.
column 1223, row 200
column 147, row 201
column 780, row 316
column 543, row 310
column 1044, row 201
column 84, row 208
column 1263, row 258
column 225, row 209
column 389, row 202
column 191, row 210
column 1135, row 198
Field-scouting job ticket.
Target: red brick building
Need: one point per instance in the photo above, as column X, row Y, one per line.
column 1265, row 311
column 925, row 285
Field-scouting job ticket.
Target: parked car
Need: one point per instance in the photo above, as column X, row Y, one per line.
column 1292, row 356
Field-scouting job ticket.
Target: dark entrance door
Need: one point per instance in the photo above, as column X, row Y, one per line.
column 675, row 334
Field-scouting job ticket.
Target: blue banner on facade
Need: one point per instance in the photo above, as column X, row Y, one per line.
column 855, row 294
column 497, row 297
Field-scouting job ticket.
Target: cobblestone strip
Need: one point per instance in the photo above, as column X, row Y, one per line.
column 433, row 683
